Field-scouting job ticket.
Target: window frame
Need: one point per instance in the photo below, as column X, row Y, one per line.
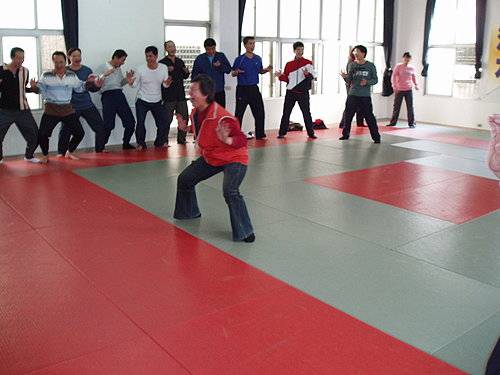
column 454, row 46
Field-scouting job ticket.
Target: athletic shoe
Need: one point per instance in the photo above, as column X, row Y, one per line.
column 412, row 126
column 250, row 135
column 391, row 124
column 33, row 160
column 377, row 141
column 343, row 138
column 128, row 146
column 250, row 238
column 313, row 136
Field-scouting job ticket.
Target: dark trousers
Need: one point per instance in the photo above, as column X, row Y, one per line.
column 220, row 97
column 114, row 103
column 398, row 100
column 94, row 119
column 290, row 99
column 186, row 204
column 250, row 95
column 364, row 103
column 159, row 114
column 48, row 124
column 359, row 119
column 27, row 126
column 180, row 108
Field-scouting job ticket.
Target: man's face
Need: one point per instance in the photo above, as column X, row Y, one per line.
column 59, row 62
column 118, row 61
column 210, row 51
column 358, row 53
column 197, row 97
column 151, row 58
column 75, row 57
column 18, row 59
column 299, row 52
column 250, row 46
column 170, row 48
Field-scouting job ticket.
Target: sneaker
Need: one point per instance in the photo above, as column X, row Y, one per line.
column 412, row 126
column 377, row 141
column 391, row 124
column 250, row 135
column 1, row 161
column 312, row 136
column 343, row 138
column 250, row 238
column 128, row 146
column 32, row 160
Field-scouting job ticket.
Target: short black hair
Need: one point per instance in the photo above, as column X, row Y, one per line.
column 165, row 44
column 247, row 39
column 207, row 86
column 297, row 45
column 15, row 50
column 151, row 49
column 361, row 48
column 59, row 53
column 407, row 54
column 119, row 53
column 70, row 51
column 209, row 42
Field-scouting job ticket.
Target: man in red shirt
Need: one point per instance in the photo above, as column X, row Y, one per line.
column 298, row 74
column 223, row 148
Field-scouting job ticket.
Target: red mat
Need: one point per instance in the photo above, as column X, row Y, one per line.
column 86, row 298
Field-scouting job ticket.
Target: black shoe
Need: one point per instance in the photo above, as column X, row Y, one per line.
column 128, row 146
column 312, row 136
column 250, row 238
column 181, row 142
column 341, row 126
column 391, row 124
column 412, row 126
column 343, row 138
column 376, row 141
column 280, row 137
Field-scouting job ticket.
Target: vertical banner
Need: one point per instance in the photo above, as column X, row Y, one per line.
column 494, row 61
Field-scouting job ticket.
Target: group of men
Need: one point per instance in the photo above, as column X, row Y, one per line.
column 160, row 90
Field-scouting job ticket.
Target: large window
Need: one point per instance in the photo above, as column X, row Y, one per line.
column 37, row 29
column 451, row 54
column 188, row 26
column 328, row 28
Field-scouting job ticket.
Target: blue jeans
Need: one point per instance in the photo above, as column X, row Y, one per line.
column 186, row 205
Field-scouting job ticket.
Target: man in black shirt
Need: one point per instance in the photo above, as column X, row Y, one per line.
column 14, row 78
column 174, row 97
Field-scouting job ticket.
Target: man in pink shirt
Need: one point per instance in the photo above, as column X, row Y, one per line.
column 403, row 79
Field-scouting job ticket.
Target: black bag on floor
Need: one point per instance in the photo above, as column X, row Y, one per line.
column 294, row 127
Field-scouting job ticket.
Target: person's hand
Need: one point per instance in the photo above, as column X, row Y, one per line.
column 186, row 70
column 268, row 69
column 222, row 132
column 277, row 73
column 170, row 68
column 181, row 123
column 217, row 63
column 237, row 72
column 99, row 82
column 363, row 82
column 33, row 84
column 416, row 87
column 168, row 81
column 343, row 74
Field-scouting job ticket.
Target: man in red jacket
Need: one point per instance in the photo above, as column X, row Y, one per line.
column 223, row 148
column 298, row 75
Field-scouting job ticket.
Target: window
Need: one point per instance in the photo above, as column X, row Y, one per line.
column 328, row 28
column 38, row 30
column 451, row 54
column 188, row 26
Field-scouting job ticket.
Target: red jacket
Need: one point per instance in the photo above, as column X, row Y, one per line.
column 292, row 67
column 214, row 151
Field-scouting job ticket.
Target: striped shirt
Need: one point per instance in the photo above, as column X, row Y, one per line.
column 59, row 90
column 13, row 88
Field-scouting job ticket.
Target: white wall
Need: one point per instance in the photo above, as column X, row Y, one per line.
column 436, row 109
column 106, row 25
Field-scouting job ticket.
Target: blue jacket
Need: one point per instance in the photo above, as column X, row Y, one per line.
column 202, row 66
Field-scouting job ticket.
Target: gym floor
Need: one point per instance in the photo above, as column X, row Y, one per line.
column 369, row 259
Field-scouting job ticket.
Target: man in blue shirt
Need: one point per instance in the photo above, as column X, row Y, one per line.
column 83, row 105
column 214, row 64
column 247, row 68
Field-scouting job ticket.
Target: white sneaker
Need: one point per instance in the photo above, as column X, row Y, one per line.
column 1, row 161
column 250, row 135
column 33, row 160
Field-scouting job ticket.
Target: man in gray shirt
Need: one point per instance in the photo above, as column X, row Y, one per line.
column 362, row 75
column 113, row 100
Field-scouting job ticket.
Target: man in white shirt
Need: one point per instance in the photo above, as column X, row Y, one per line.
column 149, row 79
